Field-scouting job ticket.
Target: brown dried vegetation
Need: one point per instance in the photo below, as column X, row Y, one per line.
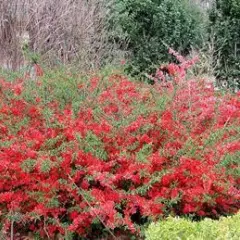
column 60, row 31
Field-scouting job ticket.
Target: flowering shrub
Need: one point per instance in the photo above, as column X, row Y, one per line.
column 105, row 155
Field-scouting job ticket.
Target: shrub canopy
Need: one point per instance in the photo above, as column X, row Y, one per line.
column 84, row 156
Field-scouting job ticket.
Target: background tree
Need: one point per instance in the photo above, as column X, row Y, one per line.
column 225, row 23
column 148, row 24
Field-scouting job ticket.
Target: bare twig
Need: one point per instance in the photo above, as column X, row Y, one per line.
column 12, row 230
column 97, row 216
column 60, row 31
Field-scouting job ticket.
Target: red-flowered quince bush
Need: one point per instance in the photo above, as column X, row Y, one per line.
column 104, row 155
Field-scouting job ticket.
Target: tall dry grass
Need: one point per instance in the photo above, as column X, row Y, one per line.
column 69, row 31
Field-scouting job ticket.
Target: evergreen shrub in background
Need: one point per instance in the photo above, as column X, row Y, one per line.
column 225, row 23
column 150, row 25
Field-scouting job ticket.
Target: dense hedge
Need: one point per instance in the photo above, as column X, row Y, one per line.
column 148, row 24
column 103, row 155
column 180, row 228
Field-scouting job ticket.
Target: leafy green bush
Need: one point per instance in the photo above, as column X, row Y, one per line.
column 148, row 24
column 176, row 228
column 225, row 22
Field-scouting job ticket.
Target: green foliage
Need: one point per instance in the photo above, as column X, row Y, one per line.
column 144, row 153
column 225, row 23
column 231, row 160
column 177, row 228
column 46, row 166
column 149, row 25
column 28, row 165
column 94, row 145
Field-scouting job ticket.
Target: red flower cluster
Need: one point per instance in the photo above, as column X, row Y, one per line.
column 125, row 155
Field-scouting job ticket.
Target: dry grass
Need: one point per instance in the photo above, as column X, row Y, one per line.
column 69, row 31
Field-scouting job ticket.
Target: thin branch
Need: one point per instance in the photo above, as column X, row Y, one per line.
column 97, row 216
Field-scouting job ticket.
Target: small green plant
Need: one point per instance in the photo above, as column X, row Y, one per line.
column 30, row 56
column 184, row 229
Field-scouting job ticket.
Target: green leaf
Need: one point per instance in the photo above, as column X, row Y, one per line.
column 28, row 165
column 144, row 153
column 93, row 144
column 45, row 166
